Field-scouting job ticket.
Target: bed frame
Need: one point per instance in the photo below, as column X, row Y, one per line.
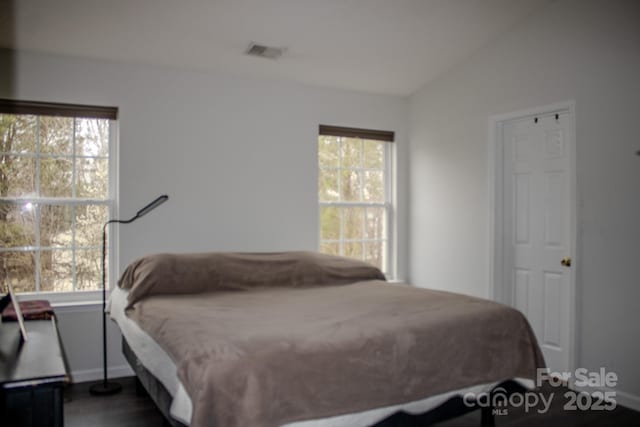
column 146, row 382
column 452, row 408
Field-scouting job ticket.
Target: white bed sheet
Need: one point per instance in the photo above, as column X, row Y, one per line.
column 151, row 355
column 158, row 362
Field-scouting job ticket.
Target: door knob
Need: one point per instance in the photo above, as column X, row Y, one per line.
column 566, row 261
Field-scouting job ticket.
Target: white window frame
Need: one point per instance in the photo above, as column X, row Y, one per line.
column 78, row 297
column 388, row 205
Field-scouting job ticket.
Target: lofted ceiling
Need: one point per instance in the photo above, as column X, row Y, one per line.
column 376, row 46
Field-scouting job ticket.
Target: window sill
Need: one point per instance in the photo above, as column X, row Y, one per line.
column 76, row 305
column 66, row 299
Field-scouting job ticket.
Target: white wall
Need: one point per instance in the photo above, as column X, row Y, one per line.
column 587, row 51
column 80, row 329
column 237, row 156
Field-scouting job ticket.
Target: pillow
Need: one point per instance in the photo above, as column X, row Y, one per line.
column 203, row 272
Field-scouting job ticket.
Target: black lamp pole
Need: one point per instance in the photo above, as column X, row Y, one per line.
column 106, row 387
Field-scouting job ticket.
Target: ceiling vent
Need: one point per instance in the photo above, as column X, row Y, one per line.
column 263, row 51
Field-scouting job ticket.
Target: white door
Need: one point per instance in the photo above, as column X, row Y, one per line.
column 537, row 258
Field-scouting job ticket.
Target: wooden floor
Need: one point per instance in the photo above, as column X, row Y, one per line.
column 126, row 409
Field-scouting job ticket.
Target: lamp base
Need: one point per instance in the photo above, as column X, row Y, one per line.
column 105, row 388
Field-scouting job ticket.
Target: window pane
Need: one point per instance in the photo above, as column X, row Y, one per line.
column 92, row 178
column 328, row 152
column 373, row 190
column 373, row 154
column 375, row 223
column 90, row 220
column 374, row 254
column 18, row 269
column 88, row 270
column 55, row 226
column 329, row 223
column 328, row 183
column 56, row 135
column 330, row 248
column 92, row 137
column 18, row 133
column 351, row 186
column 17, row 176
column 353, row 250
column 353, row 218
column 17, row 225
column 351, row 153
column 56, row 175
column 56, row 271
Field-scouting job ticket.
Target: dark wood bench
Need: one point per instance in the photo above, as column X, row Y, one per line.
column 32, row 375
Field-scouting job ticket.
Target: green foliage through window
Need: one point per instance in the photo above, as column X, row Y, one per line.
column 353, row 198
column 54, row 199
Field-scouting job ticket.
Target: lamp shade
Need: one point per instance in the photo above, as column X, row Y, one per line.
column 151, row 206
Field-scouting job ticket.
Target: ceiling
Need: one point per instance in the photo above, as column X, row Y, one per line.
column 377, row 46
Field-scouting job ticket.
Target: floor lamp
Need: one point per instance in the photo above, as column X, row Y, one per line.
column 105, row 386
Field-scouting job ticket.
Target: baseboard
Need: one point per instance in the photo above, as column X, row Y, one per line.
column 627, row 400
column 86, row 375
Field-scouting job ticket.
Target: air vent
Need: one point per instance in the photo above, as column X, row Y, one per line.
column 263, row 51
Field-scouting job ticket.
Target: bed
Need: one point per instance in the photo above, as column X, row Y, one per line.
column 300, row 339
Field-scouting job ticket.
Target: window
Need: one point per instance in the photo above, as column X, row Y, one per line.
column 56, row 192
column 355, row 194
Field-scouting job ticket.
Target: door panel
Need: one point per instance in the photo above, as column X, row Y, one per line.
column 522, row 209
column 521, row 291
column 554, row 212
column 553, row 310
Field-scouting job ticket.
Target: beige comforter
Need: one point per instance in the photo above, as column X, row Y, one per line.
column 263, row 355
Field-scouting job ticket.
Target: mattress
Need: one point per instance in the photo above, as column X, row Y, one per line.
column 158, row 363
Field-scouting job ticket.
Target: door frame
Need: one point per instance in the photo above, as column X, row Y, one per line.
column 497, row 284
